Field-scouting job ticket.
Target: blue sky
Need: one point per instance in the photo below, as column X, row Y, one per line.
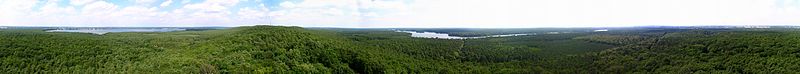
column 398, row 13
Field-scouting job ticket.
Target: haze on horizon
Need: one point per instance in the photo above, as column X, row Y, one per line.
column 399, row 13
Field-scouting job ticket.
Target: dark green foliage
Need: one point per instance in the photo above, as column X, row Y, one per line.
column 613, row 39
column 472, row 32
column 257, row 49
column 699, row 51
column 522, row 54
column 295, row 50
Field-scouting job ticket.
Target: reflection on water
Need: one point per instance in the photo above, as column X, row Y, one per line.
column 601, row 30
column 104, row 31
column 446, row 36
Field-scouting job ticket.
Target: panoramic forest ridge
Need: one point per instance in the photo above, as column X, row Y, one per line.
column 283, row 49
column 399, row 37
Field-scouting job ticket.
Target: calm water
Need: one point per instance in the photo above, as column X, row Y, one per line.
column 601, row 30
column 104, row 31
column 446, row 36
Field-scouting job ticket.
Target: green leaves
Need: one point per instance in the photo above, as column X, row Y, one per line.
column 282, row 50
column 702, row 51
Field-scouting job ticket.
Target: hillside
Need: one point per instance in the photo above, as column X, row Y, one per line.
column 282, row 50
column 708, row 51
column 257, row 49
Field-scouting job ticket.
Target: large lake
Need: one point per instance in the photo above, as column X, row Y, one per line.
column 447, row 36
column 112, row 30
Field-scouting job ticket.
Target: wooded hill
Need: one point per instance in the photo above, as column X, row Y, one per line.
column 282, row 50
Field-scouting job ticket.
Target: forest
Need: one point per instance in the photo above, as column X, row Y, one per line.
column 296, row 50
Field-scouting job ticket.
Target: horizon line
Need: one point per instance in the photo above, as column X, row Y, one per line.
column 449, row 27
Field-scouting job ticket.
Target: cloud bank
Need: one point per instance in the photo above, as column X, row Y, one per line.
column 398, row 13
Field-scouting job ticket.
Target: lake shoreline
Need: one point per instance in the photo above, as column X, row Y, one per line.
column 117, row 30
column 435, row 35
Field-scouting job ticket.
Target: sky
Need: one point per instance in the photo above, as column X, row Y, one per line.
column 398, row 13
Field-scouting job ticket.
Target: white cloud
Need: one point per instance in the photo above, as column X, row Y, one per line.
column 207, row 13
column 185, row 1
column 144, row 2
column 212, row 5
column 80, row 2
column 99, row 13
column 102, row 13
column 98, row 8
column 137, row 12
column 51, row 9
column 11, row 10
column 372, row 14
column 404, row 13
column 575, row 13
column 318, row 13
column 287, row 4
column 166, row 3
column 383, row 5
column 222, row 2
column 17, row 5
column 252, row 13
column 258, row 15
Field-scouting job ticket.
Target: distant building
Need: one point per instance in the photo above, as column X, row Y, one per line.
column 3, row 27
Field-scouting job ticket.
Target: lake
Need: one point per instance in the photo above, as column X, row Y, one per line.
column 113, row 30
column 447, row 36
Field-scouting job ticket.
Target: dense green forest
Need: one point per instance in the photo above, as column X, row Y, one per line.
column 292, row 50
column 474, row 32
